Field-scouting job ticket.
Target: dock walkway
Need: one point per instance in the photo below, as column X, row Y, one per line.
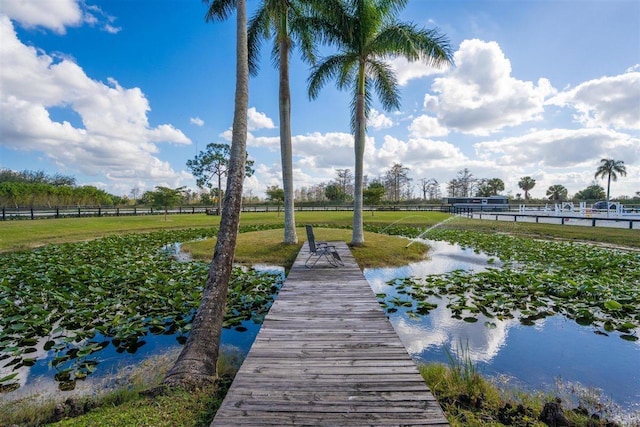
column 327, row 355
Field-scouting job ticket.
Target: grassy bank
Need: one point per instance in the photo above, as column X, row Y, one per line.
column 266, row 247
column 469, row 400
column 27, row 234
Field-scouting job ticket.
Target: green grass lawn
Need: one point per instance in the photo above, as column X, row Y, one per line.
column 27, row 234
column 266, row 247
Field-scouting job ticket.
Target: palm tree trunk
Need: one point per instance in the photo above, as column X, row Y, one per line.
column 196, row 364
column 290, row 236
column 357, row 238
column 608, row 189
column 219, row 211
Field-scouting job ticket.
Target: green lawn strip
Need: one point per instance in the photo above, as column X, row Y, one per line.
column 613, row 236
column 27, row 234
column 266, row 247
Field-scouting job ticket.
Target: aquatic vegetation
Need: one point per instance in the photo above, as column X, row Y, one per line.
column 592, row 285
column 73, row 300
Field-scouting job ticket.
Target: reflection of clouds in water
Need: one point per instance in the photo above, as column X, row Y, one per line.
column 443, row 258
column 44, row 387
column 439, row 328
column 415, row 337
column 25, row 371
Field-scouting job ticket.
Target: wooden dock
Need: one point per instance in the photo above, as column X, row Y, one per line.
column 327, row 355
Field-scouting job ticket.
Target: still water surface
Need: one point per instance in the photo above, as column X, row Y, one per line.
column 532, row 357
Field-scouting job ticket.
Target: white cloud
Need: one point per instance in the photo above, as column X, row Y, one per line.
column 167, row 133
column 196, row 121
column 419, row 154
column 561, row 148
column 427, row 126
column 57, row 15
column 257, row 120
column 333, row 150
column 95, row 16
column 479, row 96
column 111, row 29
column 430, row 103
column 54, row 15
column 316, row 157
column 406, row 71
column 113, row 137
column 607, row 101
column 378, row 120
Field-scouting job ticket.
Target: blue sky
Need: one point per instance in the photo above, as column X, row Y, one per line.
column 121, row 93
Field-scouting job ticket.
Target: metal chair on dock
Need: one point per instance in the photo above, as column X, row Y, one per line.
column 321, row 249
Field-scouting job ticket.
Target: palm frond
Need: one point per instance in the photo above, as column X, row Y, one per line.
column 259, row 30
column 414, row 43
column 275, row 52
column 348, row 71
column 219, row 10
column 385, row 84
column 611, row 168
column 302, row 34
column 331, row 21
column 391, row 7
column 328, row 69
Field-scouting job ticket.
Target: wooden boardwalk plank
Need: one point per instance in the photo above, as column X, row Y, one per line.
column 326, row 355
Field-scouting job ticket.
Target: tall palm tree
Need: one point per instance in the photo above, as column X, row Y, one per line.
column 286, row 19
column 610, row 168
column 196, row 364
column 526, row 183
column 366, row 34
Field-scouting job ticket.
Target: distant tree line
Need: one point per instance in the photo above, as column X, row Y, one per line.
column 395, row 186
column 38, row 189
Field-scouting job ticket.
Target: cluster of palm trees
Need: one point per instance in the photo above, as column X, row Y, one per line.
column 365, row 35
column 608, row 168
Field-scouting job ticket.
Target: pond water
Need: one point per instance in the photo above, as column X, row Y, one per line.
column 39, row 379
column 530, row 357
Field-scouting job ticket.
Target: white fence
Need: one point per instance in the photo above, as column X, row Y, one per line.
column 599, row 219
